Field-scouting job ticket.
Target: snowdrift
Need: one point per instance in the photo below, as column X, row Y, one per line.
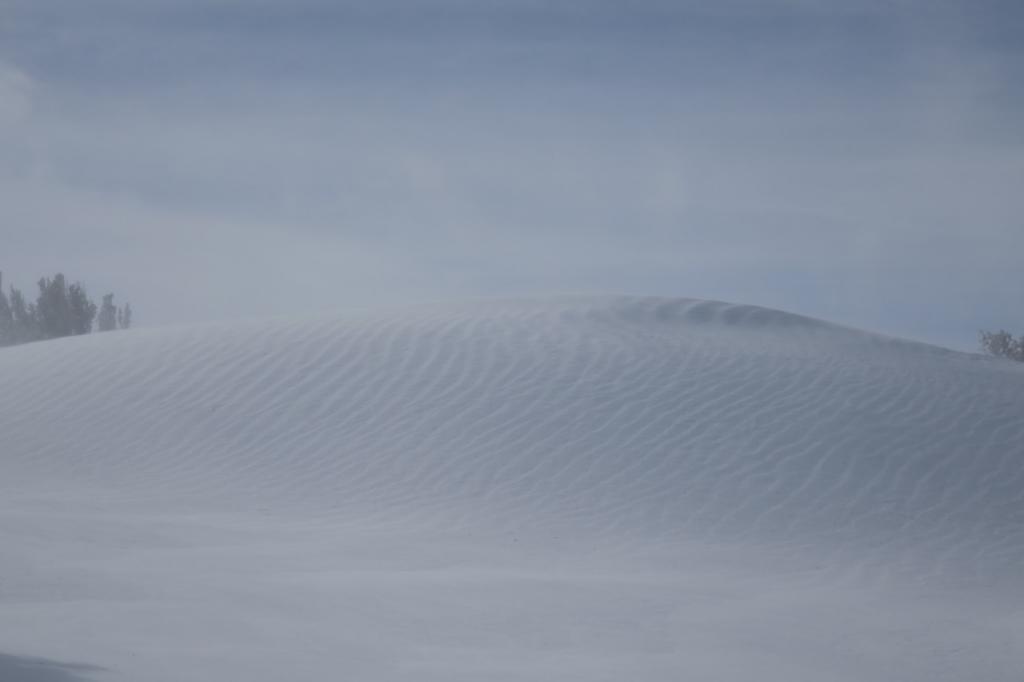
column 573, row 489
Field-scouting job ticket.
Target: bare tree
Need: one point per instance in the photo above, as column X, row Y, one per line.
column 1002, row 344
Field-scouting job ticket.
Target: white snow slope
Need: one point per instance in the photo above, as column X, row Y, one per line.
column 582, row 489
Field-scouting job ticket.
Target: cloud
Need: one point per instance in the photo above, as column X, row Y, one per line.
column 858, row 165
column 15, row 96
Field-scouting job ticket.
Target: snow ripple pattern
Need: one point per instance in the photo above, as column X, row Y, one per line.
column 628, row 419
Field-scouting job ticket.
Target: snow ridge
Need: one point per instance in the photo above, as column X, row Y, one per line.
column 579, row 489
column 644, row 417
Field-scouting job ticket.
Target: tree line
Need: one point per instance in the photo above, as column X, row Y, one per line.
column 1002, row 344
column 60, row 309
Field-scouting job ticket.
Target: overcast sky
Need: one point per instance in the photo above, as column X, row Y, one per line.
column 858, row 161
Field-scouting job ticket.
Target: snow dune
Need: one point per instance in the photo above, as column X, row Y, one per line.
column 578, row 489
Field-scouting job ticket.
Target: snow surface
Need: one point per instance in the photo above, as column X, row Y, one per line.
column 581, row 489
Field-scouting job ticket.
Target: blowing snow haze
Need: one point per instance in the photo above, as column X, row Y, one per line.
column 859, row 162
column 526, row 341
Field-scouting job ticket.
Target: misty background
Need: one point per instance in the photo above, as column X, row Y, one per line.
column 861, row 162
